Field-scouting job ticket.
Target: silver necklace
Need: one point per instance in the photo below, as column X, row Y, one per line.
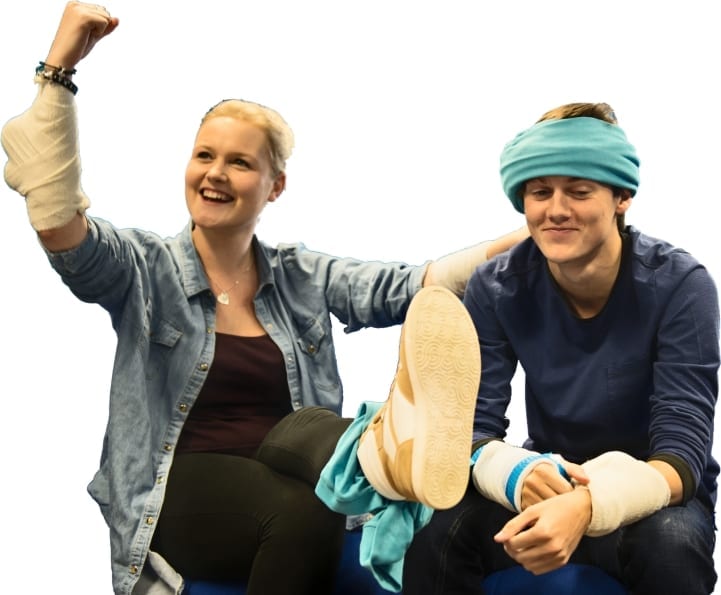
column 223, row 297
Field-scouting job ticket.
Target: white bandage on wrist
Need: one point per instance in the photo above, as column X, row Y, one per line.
column 452, row 271
column 623, row 490
column 501, row 469
column 43, row 161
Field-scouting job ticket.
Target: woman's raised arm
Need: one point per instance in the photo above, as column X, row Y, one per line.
column 42, row 142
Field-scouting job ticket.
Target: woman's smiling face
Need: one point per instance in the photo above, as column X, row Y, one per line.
column 229, row 179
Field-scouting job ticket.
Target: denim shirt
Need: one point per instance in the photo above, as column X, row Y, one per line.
column 163, row 313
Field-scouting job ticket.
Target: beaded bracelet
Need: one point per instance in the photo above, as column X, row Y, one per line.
column 57, row 75
column 62, row 71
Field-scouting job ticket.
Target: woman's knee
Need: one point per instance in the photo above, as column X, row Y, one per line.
column 302, row 443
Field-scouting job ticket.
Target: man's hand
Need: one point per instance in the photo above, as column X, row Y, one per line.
column 544, row 536
column 545, row 482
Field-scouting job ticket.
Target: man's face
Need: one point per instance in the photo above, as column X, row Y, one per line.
column 572, row 220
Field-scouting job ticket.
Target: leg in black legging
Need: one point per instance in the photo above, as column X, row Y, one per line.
column 301, row 443
column 232, row 518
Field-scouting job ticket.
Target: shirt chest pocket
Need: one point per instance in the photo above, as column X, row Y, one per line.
column 316, row 346
column 311, row 338
column 629, row 387
column 161, row 339
column 162, row 333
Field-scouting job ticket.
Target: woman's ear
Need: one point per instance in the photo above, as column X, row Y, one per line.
column 278, row 187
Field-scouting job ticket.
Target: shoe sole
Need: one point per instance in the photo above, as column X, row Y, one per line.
column 443, row 360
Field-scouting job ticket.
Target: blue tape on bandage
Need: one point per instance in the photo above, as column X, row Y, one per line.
column 514, row 476
column 518, row 470
column 476, row 453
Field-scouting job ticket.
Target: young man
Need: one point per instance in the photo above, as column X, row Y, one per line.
column 618, row 335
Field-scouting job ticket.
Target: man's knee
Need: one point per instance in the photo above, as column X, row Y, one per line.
column 671, row 531
column 673, row 548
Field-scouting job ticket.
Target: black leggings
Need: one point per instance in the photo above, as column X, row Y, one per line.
column 257, row 520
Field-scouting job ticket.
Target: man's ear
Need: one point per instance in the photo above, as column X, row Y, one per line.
column 625, row 202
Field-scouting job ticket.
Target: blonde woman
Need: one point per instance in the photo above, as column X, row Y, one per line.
column 225, row 395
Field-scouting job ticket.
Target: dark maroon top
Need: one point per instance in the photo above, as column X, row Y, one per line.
column 246, row 393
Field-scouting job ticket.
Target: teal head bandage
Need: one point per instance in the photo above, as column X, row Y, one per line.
column 586, row 148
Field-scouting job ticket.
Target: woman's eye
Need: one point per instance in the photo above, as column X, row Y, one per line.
column 203, row 155
column 241, row 162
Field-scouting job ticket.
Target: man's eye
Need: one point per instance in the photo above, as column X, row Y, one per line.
column 539, row 193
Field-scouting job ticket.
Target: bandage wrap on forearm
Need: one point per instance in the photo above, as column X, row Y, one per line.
column 500, row 470
column 623, row 491
column 452, row 271
column 43, row 158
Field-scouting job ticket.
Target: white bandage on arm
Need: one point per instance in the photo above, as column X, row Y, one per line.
column 452, row 271
column 43, row 159
column 500, row 470
column 623, row 490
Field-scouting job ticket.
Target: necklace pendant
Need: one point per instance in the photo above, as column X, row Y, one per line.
column 223, row 298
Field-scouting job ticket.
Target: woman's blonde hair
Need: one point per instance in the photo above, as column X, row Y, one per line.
column 278, row 133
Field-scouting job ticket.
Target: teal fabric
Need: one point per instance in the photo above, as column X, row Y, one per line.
column 344, row 488
column 586, row 148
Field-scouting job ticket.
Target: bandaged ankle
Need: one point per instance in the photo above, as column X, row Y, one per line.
column 623, row 490
column 43, row 161
column 500, row 470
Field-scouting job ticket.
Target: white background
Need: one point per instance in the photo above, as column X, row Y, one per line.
column 400, row 110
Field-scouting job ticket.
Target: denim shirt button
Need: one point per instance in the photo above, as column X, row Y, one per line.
column 167, row 447
column 150, row 520
column 311, row 349
column 183, row 407
column 133, row 569
column 203, row 367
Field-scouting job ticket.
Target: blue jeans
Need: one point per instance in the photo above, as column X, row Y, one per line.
column 669, row 552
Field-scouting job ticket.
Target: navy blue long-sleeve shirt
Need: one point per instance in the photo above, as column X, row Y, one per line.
column 641, row 376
